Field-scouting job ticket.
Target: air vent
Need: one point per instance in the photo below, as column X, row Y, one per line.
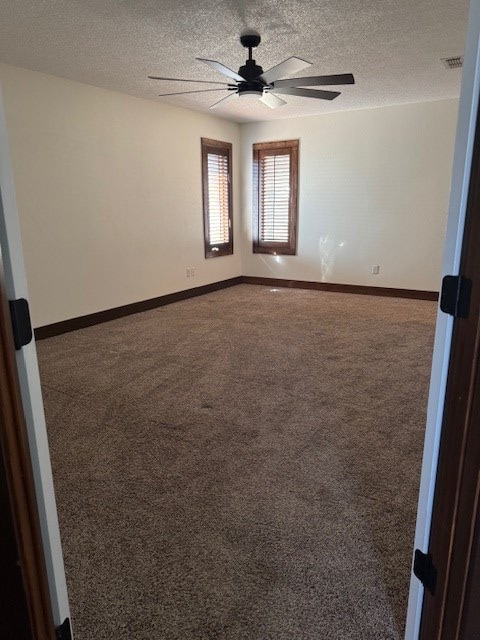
column 453, row 63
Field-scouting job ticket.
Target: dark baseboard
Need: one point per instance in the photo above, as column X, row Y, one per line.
column 57, row 328
column 343, row 288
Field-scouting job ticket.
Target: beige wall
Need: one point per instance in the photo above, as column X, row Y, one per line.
column 373, row 190
column 109, row 194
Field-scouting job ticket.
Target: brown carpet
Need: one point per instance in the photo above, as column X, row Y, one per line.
column 243, row 465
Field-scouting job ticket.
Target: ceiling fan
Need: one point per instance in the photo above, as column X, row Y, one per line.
column 252, row 80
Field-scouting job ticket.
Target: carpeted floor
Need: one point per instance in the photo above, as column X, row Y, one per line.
column 243, row 465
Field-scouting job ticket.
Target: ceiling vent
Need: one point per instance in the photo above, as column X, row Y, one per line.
column 453, row 63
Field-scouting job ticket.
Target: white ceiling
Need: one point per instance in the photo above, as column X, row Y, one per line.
column 393, row 47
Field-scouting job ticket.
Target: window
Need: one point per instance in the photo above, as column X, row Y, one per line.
column 217, row 197
column 275, row 180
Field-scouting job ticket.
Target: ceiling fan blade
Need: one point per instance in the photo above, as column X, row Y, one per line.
column 218, row 66
column 271, row 100
column 285, row 68
column 230, row 97
column 180, row 93
column 308, row 93
column 185, row 80
column 316, row 81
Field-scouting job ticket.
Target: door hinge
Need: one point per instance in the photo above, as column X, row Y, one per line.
column 425, row 570
column 455, row 296
column 21, row 325
column 64, row 631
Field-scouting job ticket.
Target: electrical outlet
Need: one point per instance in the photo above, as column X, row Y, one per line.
column 375, row 269
column 192, row 272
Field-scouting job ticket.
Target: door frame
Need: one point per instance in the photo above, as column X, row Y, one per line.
column 462, row 163
column 15, row 283
column 23, row 558
column 454, row 530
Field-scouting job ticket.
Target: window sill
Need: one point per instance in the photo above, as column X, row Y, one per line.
column 275, row 250
column 222, row 251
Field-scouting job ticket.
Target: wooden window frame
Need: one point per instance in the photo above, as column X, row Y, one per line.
column 260, row 150
column 219, row 148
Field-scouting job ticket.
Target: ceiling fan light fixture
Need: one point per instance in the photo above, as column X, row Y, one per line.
column 251, row 92
column 251, row 98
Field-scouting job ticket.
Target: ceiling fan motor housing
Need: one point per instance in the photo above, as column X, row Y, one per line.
column 250, row 86
column 250, row 70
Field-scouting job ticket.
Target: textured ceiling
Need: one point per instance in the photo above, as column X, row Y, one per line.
column 393, row 47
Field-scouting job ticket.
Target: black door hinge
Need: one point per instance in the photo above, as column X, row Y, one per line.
column 21, row 325
column 64, row 631
column 425, row 570
column 455, row 296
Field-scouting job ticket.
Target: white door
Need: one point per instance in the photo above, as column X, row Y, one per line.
column 16, row 286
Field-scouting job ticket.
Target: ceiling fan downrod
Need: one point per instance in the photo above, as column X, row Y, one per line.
column 250, row 70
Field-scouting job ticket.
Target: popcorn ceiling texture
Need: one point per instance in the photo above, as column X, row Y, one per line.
column 393, row 47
